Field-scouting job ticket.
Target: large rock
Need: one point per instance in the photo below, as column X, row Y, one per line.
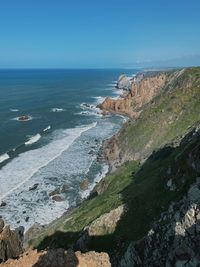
column 106, row 224
column 84, row 184
column 60, row 258
column 10, row 242
column 174, row 239
column 124, row 82
column 140, row 94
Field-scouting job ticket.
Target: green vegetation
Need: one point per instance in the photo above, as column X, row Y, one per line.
column 167, row 117
column 143, row 187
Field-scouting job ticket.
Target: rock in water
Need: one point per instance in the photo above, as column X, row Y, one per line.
column 84, row 184
column 34, row 187
column 64, row 188
column 57, row 198
column 10, row 243
column 56, row 191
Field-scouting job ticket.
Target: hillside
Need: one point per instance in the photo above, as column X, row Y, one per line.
column 165, row 119
column 154, row 162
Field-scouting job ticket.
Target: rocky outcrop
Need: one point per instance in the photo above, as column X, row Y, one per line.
column 106, row 223
column 142, row 91
column 11, row 242
column 60, row 258
column 173, row 239
column 84, row 184
column 124, row 82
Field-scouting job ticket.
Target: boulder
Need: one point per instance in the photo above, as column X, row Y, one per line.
column 34, row 187
column 55, row 192
column 24, row 118
column 64, row 188
column 10, row 243
column 60, row 258
column 3, row 204
column 57, row 198
column 84, row 184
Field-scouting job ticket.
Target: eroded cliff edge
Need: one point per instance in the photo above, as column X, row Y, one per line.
column 160, row 106
column 142, row 89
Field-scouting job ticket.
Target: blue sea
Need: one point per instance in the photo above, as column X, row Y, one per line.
column 58, row 146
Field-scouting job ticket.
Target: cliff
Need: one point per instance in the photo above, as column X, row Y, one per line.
column 142, row 91
column 165, row 118
column 145, row 212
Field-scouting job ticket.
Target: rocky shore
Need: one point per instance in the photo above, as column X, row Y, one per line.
column 145, row 212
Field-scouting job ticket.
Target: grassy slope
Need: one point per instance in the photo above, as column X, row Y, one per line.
column 167, row 117
column 142, row 187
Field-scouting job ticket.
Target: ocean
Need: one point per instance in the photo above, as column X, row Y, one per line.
column 58, row 147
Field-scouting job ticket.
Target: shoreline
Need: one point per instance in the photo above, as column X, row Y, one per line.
column 90, row 192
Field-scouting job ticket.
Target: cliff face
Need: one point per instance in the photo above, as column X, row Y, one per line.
column 174, row 101
column 140, row 93
column 173, row 240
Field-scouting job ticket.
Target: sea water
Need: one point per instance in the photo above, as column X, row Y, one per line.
column 58, row 145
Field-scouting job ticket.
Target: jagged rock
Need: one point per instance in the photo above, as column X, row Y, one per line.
column 1, row 224
column 64, row 188
column 140, row 94
column 55, row 192
column 34, row 187
column 57, row 198
column 10, row 243
column 24, row 118
column 124, row 82
column 174, row 239
column 106, row 223
column 3, row 204
column 84, row 184
column 60, row 258
column 32, row 231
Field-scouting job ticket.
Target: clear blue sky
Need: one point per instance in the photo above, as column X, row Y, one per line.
column 97, row 33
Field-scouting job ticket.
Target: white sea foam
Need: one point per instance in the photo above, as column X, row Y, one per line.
column 28, row 163
column 90, row 113
column 111, row 84
column 99, row 99
column 99, row 176
column 14, row 109
column 57, row 109
column 33, row 139
column 87, row 106
column 47, row 128
column 4, row 157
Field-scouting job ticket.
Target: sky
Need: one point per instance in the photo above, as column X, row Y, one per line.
column 99, row 33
